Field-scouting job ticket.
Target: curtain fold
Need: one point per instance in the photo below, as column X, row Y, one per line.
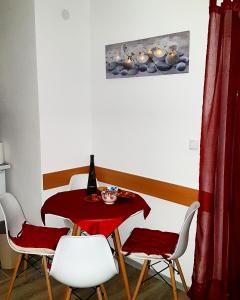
column 216, row 274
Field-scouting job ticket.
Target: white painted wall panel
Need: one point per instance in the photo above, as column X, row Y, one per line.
column 19, row 115
column 143, row 125
column 63, row 63
column 148, row 121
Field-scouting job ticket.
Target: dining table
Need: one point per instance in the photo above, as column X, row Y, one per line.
column 93, row 216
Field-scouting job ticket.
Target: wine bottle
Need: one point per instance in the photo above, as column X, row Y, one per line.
column 92, row 183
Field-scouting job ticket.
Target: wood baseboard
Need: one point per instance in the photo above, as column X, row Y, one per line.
column 164, row 190
column 152, row 187
column 60, row 178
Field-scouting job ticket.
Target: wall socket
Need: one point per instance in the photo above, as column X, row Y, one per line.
column 193, row 145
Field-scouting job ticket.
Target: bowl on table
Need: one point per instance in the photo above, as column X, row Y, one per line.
column 109, row 197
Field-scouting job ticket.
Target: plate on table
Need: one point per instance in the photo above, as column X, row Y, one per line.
column 93, row 200
column 125, row 194
column 102, row 188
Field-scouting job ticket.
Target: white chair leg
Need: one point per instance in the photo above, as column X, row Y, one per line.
column 140, row 279
column 173, row 281
column 181, row 275
column 49, row 288
column 14, row 276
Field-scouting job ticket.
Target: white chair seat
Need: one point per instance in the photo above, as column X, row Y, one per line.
column 31, row 251
column 142, row 256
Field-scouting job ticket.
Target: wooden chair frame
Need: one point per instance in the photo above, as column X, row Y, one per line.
column 14, row 275
column 180, row 249
column 144, row 273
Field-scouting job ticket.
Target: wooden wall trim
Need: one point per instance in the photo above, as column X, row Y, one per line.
column 60, row 178
column 152, row 187
column 164, row 190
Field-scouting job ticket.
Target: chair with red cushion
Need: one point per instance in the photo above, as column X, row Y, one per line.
column 155, row 245
column 27, row 239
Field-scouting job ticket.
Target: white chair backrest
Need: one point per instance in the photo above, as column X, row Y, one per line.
column 78, row 181
column 184, row 233
column 13, row 214
column 83, row 261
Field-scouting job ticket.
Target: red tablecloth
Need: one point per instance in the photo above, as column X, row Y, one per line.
column 94, row 218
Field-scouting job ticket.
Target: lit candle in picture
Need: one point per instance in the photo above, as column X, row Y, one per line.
column 128, row 63
column 158, row 52
column 142, row 58
column 172, row 57
column 149, row 52
column 117, row 57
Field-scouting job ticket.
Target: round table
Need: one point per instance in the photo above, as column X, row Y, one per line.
column 96, row 217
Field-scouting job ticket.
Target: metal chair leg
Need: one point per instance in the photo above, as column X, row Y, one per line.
column 14, row 276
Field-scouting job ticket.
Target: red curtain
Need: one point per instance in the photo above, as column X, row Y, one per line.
column 216, row 274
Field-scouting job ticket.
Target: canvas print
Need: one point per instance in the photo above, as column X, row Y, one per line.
column 161, row 55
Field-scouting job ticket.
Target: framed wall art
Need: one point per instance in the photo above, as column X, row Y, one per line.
column 161, row 55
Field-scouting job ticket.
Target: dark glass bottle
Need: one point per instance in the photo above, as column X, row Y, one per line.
column 92, row 182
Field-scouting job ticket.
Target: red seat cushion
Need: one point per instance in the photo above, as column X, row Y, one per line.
column 39, row 236
column 151, row 242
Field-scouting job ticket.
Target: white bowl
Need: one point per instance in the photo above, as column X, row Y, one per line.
column 108, row 197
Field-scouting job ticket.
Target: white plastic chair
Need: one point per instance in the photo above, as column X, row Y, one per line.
column 83, row 262
column 78, row 181
column 171, row 259
column 14, row 219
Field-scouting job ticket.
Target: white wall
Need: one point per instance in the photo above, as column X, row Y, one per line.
column 143, row 125
column 19, row 119
column 140, row 125
column 148, row 120
column 63, row 65
column 45, row 92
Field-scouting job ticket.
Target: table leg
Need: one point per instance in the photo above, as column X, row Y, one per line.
column 115, row 247
column 76, row 230
column 122, row 267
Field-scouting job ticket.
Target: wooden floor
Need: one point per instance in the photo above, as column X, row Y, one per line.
column 34, row 288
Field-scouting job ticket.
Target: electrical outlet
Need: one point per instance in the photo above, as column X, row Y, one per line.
column 193, row 145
